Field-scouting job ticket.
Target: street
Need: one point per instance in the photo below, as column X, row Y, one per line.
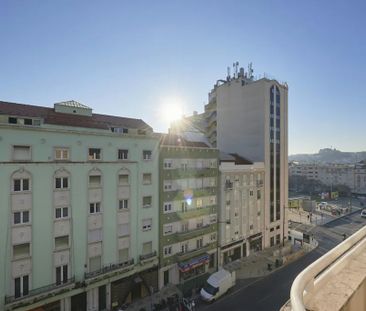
column 271, row 292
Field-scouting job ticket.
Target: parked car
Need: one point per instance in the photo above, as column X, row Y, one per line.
column 217, row 285
column 363, row 213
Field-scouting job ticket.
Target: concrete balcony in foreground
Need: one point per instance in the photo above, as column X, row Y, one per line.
column 336, row 281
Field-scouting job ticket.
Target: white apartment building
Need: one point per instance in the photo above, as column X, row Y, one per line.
column 241, row 208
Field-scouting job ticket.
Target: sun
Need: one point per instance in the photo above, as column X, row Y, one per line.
column 171, row 109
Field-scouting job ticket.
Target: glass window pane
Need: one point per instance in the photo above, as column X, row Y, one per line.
column 26, row 216
column 17, row 218
column 25, row 184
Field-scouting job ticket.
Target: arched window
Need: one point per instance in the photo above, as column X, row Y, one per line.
column 21, row 181
column 95, row 178
column 61, row 179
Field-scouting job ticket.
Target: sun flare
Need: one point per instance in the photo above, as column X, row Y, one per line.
column 171, row 109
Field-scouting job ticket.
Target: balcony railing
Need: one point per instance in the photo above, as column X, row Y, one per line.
column 315, row 276
column 109, row 268
column 193, row 253
column 148, row 256
column 228, row 185
column 39, row 291
column 190, row 234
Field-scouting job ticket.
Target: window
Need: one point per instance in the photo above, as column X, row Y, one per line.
column 123, row 229
column 12, row 120
column 278, row 239
column 213, row 237
column 28, row 121
column 95, row 263
column 123, row 179
column 124, row 254
column 184, row 227
column 21, row 286
column 122, row 130
column 94, row 208
column 146, row 201
column 213, row 163
column 167, row 185
column 61, row 274
column 94, row 154
column 146, row 178
column 251, row 227
column 62, row 242
column 213, row 200
column 168, row 229
column 21, row 217
column 184, row 206
column 199, row 223
column 122, row 154
column 147, row 248
column 61, row 154
column 168, row 163
column 199, row 243
column 146, row 224
column 167, row 250
column 21, row 251
column 199, row 203
column 61, row 212
column 167, row 207
column 95, row 181
column 213, row 219
column 22, row 153
column 61, row 182
column 184, row 247
column 21, row 184
column 123, row 204
column 251, row 193
column 147, row 154
column 258, row 194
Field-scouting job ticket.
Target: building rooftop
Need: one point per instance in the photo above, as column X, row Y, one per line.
column 234, row 157
column 180, row 141
column 50, row 116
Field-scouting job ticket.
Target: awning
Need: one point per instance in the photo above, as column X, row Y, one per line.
column 193, row 263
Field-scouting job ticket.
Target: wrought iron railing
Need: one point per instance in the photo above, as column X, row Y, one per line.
column 109, row 268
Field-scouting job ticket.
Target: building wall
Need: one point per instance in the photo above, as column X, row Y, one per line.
column 188, row 176
column 44, row 226
column 243, row 126
column 241, row 209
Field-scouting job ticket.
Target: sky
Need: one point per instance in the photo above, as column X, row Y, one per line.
column 129, row 58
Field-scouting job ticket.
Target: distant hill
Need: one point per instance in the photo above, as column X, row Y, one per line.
column 328, row 155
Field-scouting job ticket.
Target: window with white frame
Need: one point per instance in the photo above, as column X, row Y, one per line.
column 213, row 163
column 62, row 154
column 21, row 217
column 21, row 286
column 22, row 153
column 123, row 230
column 94, row 207
column 146, row 178
column 146, row 201
column 168, row 229
column 184, row 206
column 199, row 223
column 147, row 154
column 146, row 224
column 199, row 203
column 213, row 237
column 184, row 226
column 199, row 243
column 124, row 254
column 167, row 185
column 61, row 274
column 21, row 184
column 213, row 200
column 95, row 154
column 61, row 212
column 122, row 154
column 184, row 247
column 123, row 204
column 168, row 250
column 168, row 207
column 61, row 182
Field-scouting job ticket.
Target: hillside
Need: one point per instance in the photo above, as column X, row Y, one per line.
column 328, row 155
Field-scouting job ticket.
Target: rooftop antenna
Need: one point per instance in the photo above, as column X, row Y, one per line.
column 235, row 66
column 250, row 70
column 228, row 74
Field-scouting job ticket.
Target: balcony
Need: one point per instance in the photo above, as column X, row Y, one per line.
column 228, row 185
column 108, row 270
column 40, row 293
column 179, row 173
column 336, row 281
column 190, row 234
column 194, row 253
column 147, row 257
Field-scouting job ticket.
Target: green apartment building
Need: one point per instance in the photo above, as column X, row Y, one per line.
column 79, row 208
column 188, row 212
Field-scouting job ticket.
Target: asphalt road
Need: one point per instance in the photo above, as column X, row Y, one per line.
column 271, row 292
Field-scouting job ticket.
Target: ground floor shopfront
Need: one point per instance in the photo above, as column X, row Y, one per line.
column 101, row 294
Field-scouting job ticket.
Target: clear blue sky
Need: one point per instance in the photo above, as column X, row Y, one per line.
column 123, row 57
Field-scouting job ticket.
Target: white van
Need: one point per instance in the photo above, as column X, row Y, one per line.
column 217, row 285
